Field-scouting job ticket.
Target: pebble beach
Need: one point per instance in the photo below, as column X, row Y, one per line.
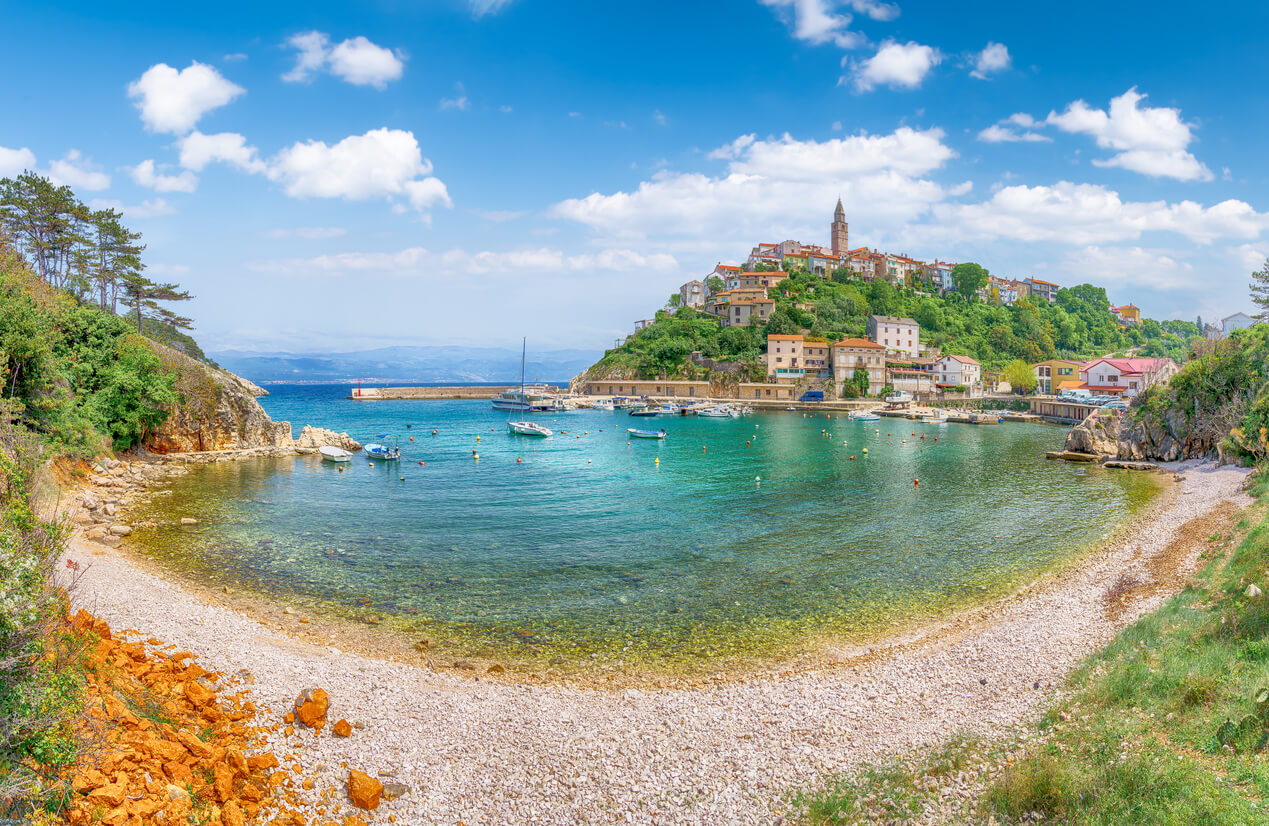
column 475, row 748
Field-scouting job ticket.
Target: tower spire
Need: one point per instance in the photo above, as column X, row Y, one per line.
column 838, row 234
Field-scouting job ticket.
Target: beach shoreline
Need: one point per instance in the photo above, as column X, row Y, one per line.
column 506, row 750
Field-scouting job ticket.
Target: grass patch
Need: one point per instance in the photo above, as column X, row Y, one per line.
column 1170, row 722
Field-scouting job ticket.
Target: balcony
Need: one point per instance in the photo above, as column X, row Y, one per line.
column 790, row 372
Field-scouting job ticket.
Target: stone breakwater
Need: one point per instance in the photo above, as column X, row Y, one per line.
column 486, row 748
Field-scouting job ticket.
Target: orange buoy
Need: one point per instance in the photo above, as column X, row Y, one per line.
column 422, row 463
column 411, row 438
column 341, row 470
column 517, row 460
column 433, row 431
column 702, row 448
column 916, row 481
column 852, row 458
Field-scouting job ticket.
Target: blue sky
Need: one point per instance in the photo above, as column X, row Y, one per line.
column 471, row 171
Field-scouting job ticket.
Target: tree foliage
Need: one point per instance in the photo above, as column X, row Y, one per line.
column 1020, row 375
column 969, row 278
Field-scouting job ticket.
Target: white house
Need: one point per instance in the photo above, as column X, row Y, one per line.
column 1237, row 321
column 693, row 294
column 899, row 335
column 954, row 370
column 1126, row 376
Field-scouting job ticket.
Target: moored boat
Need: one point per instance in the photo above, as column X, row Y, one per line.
column 331, row 453
column 524, row 427
column 528, row 429
column 383, row 452
column 863, row 416
column 645, row 434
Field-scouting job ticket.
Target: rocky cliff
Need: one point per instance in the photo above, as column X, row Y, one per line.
column 216, row 410
column 1150, row 437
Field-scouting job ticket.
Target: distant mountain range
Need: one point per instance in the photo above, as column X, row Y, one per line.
column 404, row 365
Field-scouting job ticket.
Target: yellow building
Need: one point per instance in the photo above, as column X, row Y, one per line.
column 851, row 354
column 1052, row 373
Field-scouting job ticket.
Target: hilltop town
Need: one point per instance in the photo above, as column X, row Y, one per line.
column 859, row 322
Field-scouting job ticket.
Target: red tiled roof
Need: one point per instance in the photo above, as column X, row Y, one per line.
column 857, row 342
column 784, row 338
column 962, row 359
column 1132, row 367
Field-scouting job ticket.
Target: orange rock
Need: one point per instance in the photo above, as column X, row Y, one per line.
column 237, row 762
column 364, row 790
column 178, row 773
column 231, row 814
column 311, row 706
column 195, row 746
column 342, row 729
column 198, row 694
column 289, row 717
column 110, row 795
column 251, row 793
column 264, row 760
column 223, row 781
column 289, row 730
column 89, row 780
column 352, row 820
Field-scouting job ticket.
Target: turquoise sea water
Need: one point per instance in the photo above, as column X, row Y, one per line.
column 587, row 550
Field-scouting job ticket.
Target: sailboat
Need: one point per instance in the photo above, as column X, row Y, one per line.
column 524, row 427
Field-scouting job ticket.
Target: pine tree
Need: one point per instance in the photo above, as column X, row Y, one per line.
column 1260, row 291
column 144, row 295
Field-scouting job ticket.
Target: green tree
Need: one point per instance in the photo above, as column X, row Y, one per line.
column 715, row 285
column 782, row 323
column 1020, row 375
column 1260, row 291
column 862, row 381
column 674, row 302
column 969, row 278
column 144, row 295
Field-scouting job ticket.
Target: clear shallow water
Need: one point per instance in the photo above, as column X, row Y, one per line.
column 587, row 551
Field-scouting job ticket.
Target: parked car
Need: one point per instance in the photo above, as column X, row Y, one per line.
column 1117, row 404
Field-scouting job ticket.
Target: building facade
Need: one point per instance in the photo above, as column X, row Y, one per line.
column 1044, row 290
column 957, row 370
column 693, row 294
column 1050, row 375
column 851, row 354
column 900, row 335
column 1127, row 377
column 839, row 231
column 1237, row 321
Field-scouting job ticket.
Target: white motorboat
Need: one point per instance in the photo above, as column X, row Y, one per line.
column 719, row 412
column 899, row 397
column 863, row 416
column 604, row 404
column 334, row 454
column 937, row 417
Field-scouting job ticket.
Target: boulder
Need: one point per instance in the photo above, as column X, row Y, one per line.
column 188, row 520
column 363, row 790
column 342, row 729
column 120, row 530
column 321, row 437
column 311, row 707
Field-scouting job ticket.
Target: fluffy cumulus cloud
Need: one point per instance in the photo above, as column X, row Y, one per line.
column 15, row 161
column 174, row 101
column 198, row 150
column 356, row 60
column 1149, row 140
column 418, row 261
column 824, row 21
column 1116, row 266
column 992, row 59
column 77, row 172
column 382, row 163
column 146, row 174
column 1091, row 214
column 897, row 65
column 777, row 182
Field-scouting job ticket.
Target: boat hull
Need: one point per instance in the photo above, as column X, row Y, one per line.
column 528, row 429
column 645, row 434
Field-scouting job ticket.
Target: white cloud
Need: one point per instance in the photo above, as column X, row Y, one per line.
column 356, row 60
column 897, row 65
column 198, row 150
column 234, row 57
column 479, row 8
column 1091, row 214
column 1004, row 132
column 659, row 117
column 874, row 9
column 173, row 101
column 504, row 108
column 76, row 171
column 15, row 161
column 992, row 59
column 144, row 174
column 775, row 187
column 1250, row 257
column 1115, row 266
column 308, row 233
column 817, row 22
column 416, row 261
column 146, row 209
column 1150, row 140
column 382, row 163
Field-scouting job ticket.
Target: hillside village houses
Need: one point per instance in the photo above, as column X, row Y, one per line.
column 1237, row 321
column 892, row 355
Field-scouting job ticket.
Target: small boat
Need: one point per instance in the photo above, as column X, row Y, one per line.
column 718, row 412
column 863, row 416
column 604, row 404
column 524, row 427
column 645, row 434
column 528, row 429
column 646, row 411
column 938, row 417
column 899, row 397
column 383, row 452
column 334, row 454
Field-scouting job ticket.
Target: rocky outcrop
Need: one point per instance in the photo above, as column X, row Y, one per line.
column 215, row 410
column 1132, row 438
column 320, row 437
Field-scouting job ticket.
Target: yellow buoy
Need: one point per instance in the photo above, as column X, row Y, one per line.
column 372, row 464
column 865, row 450
column 657, row 460
column 475, row 455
